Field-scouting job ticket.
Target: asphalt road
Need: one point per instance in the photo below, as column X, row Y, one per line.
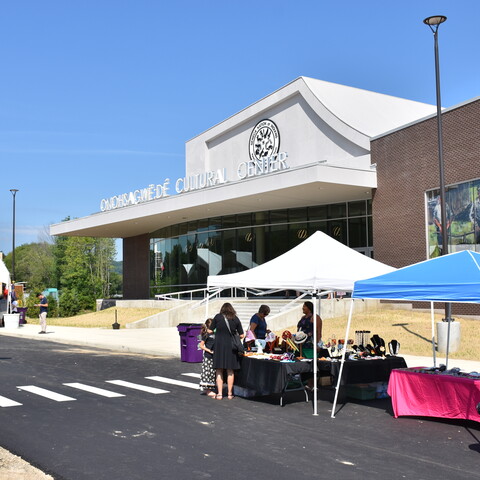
column 178, row 433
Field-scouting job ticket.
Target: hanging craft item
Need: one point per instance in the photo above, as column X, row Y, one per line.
column 286, row 334
column 292, row 345
column 300, row 337
column 378, row 345
column 250, row 336
column 394, row 347
column 272, row 341
column 270, row 337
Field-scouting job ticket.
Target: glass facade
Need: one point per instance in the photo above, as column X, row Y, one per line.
column 462, row 215
column 182, row 256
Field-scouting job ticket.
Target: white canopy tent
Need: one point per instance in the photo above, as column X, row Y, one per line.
column 4, row 274
column 5, row 278
column 319, row 263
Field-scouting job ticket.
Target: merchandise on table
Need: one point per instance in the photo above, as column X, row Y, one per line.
column 267, row 374
column 290, row 347
column 441, row 370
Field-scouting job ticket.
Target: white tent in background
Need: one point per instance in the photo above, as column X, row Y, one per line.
column 5, row 278
column 4, row 274
column 319, row 263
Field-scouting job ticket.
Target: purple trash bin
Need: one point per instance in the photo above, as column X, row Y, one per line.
column 189, row 339
column 22, row 311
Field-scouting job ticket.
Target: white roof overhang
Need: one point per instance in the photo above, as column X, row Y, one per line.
column 354, row 114
column 313, row 184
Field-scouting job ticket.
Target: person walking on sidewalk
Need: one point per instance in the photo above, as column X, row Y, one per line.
column 43, row 312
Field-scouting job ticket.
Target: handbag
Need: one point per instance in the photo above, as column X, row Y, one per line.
column 237, row 345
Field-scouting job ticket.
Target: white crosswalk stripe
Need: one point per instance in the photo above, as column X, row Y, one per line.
column 95, row 390
column 58, row 397
column 172, row 381
column 137, row 386
column 43, row 392
column 6, row 402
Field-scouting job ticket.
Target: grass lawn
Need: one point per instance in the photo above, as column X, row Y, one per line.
column 102, row 319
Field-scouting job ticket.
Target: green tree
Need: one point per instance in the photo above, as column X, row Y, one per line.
column 85, row 268
column 59, row 247
column 32, row 300
column 34, row 264
column 81, row 268
column 116, row 278
column 69, row 304
column 53, row 310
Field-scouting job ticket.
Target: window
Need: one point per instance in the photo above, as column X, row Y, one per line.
column 184, row 255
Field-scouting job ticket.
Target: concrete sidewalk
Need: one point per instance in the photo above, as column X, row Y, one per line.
column 163, row 342
column 149, row 341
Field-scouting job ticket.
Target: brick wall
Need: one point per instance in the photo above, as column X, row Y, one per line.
column 407, row 166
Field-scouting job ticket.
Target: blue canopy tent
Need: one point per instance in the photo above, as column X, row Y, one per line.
column 449, row 278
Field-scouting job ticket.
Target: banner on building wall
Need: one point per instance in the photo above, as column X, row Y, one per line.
column 462, row 216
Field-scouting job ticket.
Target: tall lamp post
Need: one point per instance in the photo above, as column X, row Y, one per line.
column 434, row 22
column 14, row 192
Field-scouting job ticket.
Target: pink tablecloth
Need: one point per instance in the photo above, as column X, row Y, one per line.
column 433, row 395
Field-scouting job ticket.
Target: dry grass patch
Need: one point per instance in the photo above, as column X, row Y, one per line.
column 411, row 328
column 104, row 318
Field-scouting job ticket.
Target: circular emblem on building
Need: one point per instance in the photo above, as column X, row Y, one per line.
column 264, row 140
column 302, row 234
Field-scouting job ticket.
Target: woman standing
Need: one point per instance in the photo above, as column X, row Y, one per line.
column 258, row 324
column 223, row 356
column 306, row 324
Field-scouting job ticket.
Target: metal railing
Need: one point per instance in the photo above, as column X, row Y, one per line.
column 235, row 292
column 177, row 295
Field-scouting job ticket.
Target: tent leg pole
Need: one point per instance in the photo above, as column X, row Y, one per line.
column 206, row 304
column 432, row 314
column 337, row 388
column 448, row 342
column 315, row 365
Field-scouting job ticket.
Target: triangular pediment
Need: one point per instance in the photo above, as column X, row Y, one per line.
column 317, row 121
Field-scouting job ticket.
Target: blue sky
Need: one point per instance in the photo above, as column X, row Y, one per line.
column 98, row 97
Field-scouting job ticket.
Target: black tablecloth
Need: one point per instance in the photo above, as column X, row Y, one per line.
column 258, row 377
column 362, row 371
column 264, row 377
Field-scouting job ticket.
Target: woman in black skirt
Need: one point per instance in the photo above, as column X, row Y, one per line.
column 223, row 356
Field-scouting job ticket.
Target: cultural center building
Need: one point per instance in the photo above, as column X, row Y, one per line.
column 358, row 165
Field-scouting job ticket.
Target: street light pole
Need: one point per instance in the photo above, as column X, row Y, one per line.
column 434, row 22
column 14, row 192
